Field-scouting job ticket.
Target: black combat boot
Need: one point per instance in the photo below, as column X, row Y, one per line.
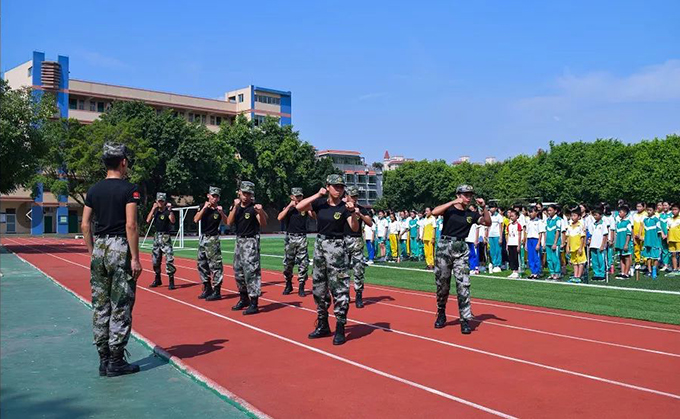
column 289, row 287
column 322, row 329
column 359, row 300
column 301, row 289
column 118, row 365
column 215, row 296
column 243, row 302
column 104, row 356
column 441, row 319
column 207, row 290
column 171, row 282
column 157, row 281
column 339, row 337
column 252, row 308
column 465, row 327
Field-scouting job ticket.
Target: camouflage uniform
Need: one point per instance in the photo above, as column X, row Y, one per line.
column 113, row 292
column 247, row 265
column 329, row 277
column 296, row 254
column 355, row 258
column 452, row 257
column 162, row 244
column 210, row 260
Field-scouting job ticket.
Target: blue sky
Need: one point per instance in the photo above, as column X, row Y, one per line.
column 426, row 80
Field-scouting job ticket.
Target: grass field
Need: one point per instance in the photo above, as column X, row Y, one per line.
column 598, row 299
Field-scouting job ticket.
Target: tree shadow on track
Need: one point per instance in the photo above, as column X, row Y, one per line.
column 31, row 248
column 478, row 320
column 358, row 331
column 193, row 350
column 373, row 300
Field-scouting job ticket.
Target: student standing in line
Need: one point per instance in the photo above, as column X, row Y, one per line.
column 553, row 239
column 623, row 245
column 652, row 241
column 534, row 236
column 576, row 240
column 674, row 237
column 429, row 227
column 599, row 234
column 513, row 238
column 494, row 238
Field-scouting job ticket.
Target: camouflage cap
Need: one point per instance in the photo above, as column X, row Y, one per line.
column 214, row 190
column 352, row 191
column 465, row 189
column 335, row 180
column 160, row 196
column 114, row 150
column 247, row 186
column 296, row 192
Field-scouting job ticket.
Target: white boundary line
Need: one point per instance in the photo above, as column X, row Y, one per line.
column 466, row 348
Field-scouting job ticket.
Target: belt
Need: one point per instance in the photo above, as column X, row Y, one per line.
column 324, row 237
column 248, row 236
column 110, row 236
column 210, row 235
column 296, row 234
column 452, row 238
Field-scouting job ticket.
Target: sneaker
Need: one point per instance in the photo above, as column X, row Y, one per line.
column 513, row 275
column 370, row 262
column 497, row 270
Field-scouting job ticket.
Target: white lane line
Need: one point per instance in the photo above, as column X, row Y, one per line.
column 466, row 348
column 320, row 351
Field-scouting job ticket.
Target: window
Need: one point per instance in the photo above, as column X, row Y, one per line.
column 372, row 195
column 191, row 117
column 232, row 99
column 73, row 104
column 100, row 106
column 81, row 104
column 362, row 178
column 93, row 106
column 212, row 120
column 258, row 120
column 372, row 179
column 349, row 178
column 30, row 71
column 218, row 120
column 240, row 97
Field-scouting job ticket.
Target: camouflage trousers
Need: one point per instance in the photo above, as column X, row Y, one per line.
column 452, row 258
column 355, row 258
column 296, row 254
column 209, row 260
column 247, row 265
column 162, row 244
column 113, row 292
column 329, row 277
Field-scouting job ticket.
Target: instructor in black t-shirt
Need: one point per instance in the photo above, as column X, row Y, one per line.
column 452, row 253
column 115, row 266
column 295, row 242
column 248, row 217
column 330, row 255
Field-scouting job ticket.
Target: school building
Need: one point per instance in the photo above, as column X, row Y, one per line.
column 86, row 100
column 357, row 173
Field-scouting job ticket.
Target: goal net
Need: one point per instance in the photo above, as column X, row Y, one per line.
column 185, row 230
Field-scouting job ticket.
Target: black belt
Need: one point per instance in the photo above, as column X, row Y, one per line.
column 297, row 234
column 248, row 236
column 210, row 235
column 324, row 237
column 452, row 238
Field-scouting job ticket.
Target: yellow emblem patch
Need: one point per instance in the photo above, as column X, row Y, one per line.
column 303, row 213
column 469, row 220
column 337, row 215
column 216, row 216
column 162, row 217
column 247, row 216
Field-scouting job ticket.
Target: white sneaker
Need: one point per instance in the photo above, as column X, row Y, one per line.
column 513, row 275
column 370, row 262
column 496, row 270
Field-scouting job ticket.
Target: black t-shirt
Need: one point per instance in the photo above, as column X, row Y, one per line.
column 359, row 232
column 210, row 222
column 162, row 222
column 246, row 221
column 457, row 223
column 296, row 221
column 108, row 199
column 330, row 219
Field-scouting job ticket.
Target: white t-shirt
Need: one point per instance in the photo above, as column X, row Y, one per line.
column 496, row 224
column 383, row 226
column 472, row 235
column 523, row 219
column 534, row 228
column 403, row 229
column 514, row 233
column 598, row 231
column 394, row 227
column 482, row 232
column 369, row 233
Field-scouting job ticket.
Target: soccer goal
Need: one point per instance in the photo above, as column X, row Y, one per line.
column 186, row 228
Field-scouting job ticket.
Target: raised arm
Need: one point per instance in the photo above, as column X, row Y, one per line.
column 152, row 212
column 199, row 214
column 306, row 204
column 261, row 215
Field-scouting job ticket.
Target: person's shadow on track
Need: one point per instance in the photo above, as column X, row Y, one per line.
column 358, row 331
column 474, row 323
column 194, row 350
column 373, row 300
column 276, row 306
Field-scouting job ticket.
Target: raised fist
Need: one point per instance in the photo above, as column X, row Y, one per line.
column 480, row 202
column 237, row 201
column 350, row 206
column 219, row 208
column 258, row 207
column 323, row 191
column 206, row 205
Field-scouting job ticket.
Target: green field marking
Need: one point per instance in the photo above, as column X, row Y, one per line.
column 49, row 365
column 596, row 299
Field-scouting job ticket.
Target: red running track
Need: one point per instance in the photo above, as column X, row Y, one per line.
column 520, row 361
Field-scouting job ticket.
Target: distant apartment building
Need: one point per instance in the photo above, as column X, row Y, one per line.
column 86, row 100
column 357, row 173
column 490, row 160
column 392, row 162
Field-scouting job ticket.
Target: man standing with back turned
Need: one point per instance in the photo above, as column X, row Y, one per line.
column 112, row 204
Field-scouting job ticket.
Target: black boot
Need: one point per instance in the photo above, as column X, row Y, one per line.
column 322, row 329
column 289, row 287
column 441, row 319
column 301, row 290
column 104, row 356
column 243, row 302
column 465, row 327
column 339, row 337
column 171, row 282
column 118, row 365
column 252, row 308
column 215, row 296
column 359, row 300
column 207, row 290
column 157, row 281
